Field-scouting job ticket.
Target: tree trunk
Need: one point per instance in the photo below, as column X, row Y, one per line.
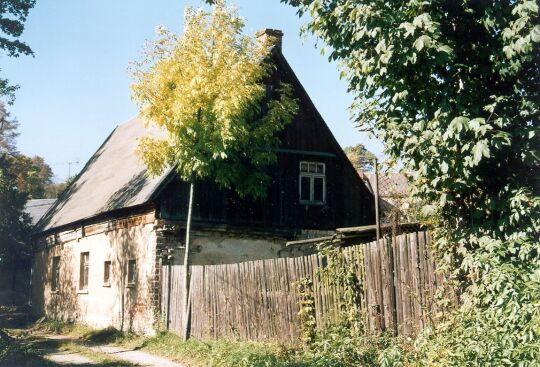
column 186, row 267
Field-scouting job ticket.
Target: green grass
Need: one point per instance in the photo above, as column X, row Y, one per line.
column 334, row 348
column 221, row 353
column 14, row 352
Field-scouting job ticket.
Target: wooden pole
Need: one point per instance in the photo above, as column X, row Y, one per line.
column 186, row 266
column 377, row 216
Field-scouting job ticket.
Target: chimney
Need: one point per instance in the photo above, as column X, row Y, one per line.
column 267, row 33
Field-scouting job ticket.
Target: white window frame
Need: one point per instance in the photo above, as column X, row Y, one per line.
column 312, row 176
column 131, row 273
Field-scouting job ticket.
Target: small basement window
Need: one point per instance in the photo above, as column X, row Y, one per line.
column 84, row 270
column 312, row 183
column 55, row 281
column 132, row 273
column 107, row 274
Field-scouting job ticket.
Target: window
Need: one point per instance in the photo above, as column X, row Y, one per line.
column 312, row 183
column 55, row 282
column 107, row 274
column 132, row 272
column 84, row 268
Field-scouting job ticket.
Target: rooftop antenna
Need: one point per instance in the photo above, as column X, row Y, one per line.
column 69, row 167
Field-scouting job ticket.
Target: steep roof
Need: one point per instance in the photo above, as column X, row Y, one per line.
column 390, row 184
column 37, row 207
column 114, row 178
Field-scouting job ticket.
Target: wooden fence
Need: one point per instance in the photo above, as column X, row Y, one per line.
column 259, row 300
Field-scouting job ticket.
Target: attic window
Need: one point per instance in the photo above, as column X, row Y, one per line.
column 312, row 183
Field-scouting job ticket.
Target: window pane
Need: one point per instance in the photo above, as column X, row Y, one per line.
column 131, row 271
column 303, row 167
column 305, row 188
column 83, row 275
column 312, row 167
column 318, row 189
column 107, row 272
column 320, row 168
column 55, row 273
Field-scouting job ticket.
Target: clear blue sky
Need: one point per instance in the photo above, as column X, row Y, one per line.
column 76, row 89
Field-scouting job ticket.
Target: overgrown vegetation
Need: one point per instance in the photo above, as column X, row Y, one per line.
column 451, row 87
column 15, row 353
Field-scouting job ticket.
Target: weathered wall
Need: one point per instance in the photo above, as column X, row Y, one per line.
column 212, row 247
column 126, row 308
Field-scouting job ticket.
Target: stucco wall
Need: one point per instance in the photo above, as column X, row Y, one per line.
column 126, row 308
column 210, row 248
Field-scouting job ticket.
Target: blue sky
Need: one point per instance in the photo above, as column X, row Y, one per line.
column 76, row 88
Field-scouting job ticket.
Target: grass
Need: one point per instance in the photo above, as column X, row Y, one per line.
column 221, row 353
column 332, row 349
column 214, row 353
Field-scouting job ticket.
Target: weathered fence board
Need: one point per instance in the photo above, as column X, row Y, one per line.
column 258, row 300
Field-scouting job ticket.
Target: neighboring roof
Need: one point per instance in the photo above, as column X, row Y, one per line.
column 390, row 184
column 37, row 207
column 114, row 178
column 362, row 234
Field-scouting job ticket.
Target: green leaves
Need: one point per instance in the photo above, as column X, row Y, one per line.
column 457, row 103
column 205, row 90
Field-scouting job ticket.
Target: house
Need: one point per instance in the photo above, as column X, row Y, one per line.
column 393, row 194
column 101, row 247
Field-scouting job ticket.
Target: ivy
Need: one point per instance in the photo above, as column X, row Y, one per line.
column 452, row 89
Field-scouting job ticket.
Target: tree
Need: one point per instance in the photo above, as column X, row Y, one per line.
column 360, row 157
column 8, row 131
column 14, row 222
column 452, row 89
column 13, row 14
column 206, row 90
column 33, row 175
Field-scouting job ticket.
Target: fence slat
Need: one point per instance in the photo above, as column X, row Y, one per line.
column 258, row 300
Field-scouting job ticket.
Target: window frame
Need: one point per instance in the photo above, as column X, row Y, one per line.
column 84, row 271
column 55, row 274
column 107, row 272
column 312, row 176
column 131, row 273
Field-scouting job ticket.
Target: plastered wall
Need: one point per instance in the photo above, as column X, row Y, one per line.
column 101, row 305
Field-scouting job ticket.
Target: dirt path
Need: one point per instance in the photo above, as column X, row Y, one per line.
column 136, row 357
column 116, row 356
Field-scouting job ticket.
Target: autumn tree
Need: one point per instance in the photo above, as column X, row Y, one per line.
column 33, row 175
column 360, row 157
column 452, row 89
column 205, row 89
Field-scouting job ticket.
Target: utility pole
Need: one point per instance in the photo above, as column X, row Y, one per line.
column 376, row 194
column 187, row 292
column 69, row 167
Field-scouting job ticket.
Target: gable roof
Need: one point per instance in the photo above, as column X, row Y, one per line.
column 37, row 207
column 114, row 178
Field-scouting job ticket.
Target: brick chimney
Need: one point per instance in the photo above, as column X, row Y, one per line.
column 266, row 33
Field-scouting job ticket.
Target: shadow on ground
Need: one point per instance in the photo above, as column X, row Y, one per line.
column 19, row 347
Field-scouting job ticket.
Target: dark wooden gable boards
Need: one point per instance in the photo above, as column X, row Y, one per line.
column 307, row 139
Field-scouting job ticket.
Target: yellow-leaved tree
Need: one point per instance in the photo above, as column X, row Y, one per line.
column 206, row 90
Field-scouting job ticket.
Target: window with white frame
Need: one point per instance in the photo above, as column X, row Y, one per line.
column 84, row 270
column 312, row 183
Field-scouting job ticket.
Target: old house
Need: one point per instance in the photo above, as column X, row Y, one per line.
column 101, row 246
